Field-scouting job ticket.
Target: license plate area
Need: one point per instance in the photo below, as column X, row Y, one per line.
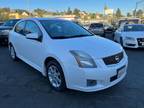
column 121, row 71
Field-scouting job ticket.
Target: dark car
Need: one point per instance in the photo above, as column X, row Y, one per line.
column 109, row 30
column 1, row 23
column 5, row 28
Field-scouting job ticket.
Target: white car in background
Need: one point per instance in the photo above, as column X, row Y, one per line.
column 67, row 54
column 130, row 35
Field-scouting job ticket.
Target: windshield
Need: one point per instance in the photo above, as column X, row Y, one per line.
column 130, row 21
column 133, row 28
column 96, row 25
column 10, row 23
column 60, row 29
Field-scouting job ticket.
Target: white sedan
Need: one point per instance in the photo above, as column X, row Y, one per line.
column 67, row 54
column 130, row 35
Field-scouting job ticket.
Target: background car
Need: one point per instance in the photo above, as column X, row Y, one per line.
column 97, row 28
column 130, row 35
column 109, row 30
column 1, row 23
column 4, row 30
column 67, row 54
column 127, row 21
column 101, row 29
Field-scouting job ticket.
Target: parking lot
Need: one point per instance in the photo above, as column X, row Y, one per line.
column 22, row 86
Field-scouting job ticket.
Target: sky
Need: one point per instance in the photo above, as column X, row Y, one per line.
column 60, row 5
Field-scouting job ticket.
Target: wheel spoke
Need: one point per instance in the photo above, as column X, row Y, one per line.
column 54, row 76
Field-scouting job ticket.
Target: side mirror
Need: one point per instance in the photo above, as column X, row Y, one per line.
column 34, row 36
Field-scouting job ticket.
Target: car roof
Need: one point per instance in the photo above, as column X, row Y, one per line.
column 97, row 23
column 134, row 25
column 14, row 19
column 40, row 19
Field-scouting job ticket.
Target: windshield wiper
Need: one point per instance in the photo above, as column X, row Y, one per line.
column 73, row 36
column 81, row 35
column 60, row 37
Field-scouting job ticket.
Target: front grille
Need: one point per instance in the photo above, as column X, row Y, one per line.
column 140, row 41
column 114, row 59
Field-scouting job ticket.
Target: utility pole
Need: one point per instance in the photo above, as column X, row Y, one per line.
column 137, row 3
column 28, row 6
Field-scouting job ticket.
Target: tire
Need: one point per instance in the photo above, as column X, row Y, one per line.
column 13, row 53
column 113, row 35
column 121, row 41
column 55, row 76
column 104, row 35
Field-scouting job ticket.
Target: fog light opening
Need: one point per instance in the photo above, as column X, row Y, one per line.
column 91, row 83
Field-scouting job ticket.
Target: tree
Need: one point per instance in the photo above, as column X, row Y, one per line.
column 92, row 16
column 76, row 12
column 20, row 11
column 69, row 11
column 4, row 14
column 139, row 13
column 118, row 13
column 129, row 14
column 106, row 7
column 40, row 12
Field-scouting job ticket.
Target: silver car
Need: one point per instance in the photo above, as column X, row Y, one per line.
column 97, row 28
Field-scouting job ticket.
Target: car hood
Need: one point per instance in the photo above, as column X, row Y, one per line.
column 133, row 34
column 5, row 27
column 95, row 46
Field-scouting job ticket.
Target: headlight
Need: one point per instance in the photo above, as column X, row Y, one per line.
column 83, row 59
column 130, row 38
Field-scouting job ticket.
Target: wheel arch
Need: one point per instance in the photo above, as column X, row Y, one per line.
column 48, row 59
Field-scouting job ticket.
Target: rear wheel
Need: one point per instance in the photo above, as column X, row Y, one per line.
column 12, row 53
column 55, row 75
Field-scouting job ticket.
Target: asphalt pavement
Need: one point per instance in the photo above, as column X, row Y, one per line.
column 21, row 86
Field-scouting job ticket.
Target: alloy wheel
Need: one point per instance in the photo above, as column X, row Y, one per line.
column 54, row 76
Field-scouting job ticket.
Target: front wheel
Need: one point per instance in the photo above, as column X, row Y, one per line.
column 121, row 41
column 55, row 75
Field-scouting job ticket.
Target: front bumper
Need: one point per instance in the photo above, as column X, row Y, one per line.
column 133, row 43
column 78, row 78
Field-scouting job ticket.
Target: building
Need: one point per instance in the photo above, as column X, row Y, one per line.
column 108, row 11
column 14, row 15
column 24, row 15
column 66, row 17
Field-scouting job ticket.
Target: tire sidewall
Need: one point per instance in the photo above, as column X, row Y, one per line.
column 10, row 48
column 62, row 87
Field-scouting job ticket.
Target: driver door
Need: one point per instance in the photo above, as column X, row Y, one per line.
column 34, row 48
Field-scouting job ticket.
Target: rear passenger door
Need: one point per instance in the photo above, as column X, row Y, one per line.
column 18, row 37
